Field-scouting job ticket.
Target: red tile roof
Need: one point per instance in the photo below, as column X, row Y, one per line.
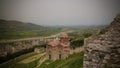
column 65, row 44
column 54, row 43
column 64, row 35
column 57, row 42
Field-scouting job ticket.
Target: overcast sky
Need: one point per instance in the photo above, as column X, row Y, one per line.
column 60, row 12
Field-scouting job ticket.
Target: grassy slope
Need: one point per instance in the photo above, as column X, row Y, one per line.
column 74, row 61
column 14, row 63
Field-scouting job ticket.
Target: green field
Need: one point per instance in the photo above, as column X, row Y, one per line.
column 5, row 35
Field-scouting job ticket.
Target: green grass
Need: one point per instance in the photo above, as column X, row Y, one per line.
column 74, row 61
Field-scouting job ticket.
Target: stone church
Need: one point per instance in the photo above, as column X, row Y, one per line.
column 58, row 49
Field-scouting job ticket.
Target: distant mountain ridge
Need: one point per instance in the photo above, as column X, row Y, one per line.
column 10, row 29
column 7, row 25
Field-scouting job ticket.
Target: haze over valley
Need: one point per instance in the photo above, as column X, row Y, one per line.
column 59, row 33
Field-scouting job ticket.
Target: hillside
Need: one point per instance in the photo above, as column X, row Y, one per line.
column 17, row 26
column 17, row 29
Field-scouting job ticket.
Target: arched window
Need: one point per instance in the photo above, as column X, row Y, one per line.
column 49, row 57
column 60, row 57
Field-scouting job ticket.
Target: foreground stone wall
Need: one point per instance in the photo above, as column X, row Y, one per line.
column 103, row 50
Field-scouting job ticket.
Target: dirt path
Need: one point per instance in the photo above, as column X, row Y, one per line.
column 43, row 58
column 32, row 58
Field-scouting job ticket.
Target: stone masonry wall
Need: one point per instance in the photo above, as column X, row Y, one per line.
column 103, row 50
column 14, row 46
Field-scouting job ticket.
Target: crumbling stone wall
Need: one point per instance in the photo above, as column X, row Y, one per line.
column 13, row 46
column 103, row 50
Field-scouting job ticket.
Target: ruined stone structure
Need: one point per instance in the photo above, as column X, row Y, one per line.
column 14, row 46
column 58, row 49
column 103, row 50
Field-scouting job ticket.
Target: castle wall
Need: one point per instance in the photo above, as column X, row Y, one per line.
column 103, row 51
column 14, row 46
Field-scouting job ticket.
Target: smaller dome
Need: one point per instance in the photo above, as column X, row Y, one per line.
column 64, row 35
column 54, row 43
